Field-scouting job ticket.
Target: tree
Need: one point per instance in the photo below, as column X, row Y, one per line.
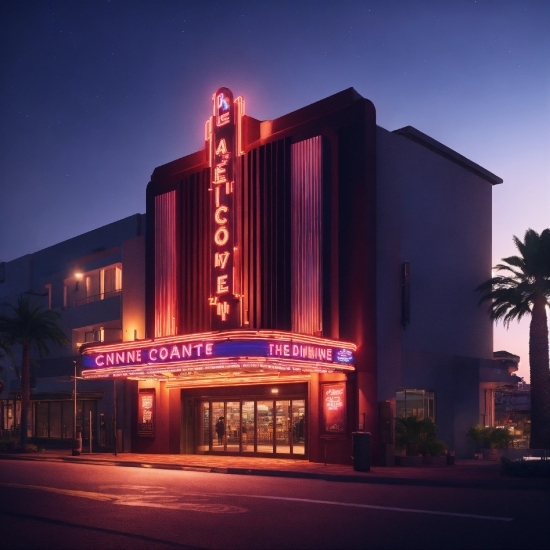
column 32, row 328
column 525, row 290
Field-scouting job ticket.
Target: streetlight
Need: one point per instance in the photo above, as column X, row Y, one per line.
column 114, row 417
column 77, row 444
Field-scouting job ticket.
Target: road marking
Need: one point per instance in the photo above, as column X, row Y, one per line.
column 146, row 497
column 170, row 501
column 70, row 492
column 373, row 507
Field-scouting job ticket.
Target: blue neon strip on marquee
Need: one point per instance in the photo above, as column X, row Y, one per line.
column 220, row 349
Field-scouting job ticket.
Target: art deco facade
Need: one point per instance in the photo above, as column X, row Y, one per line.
column 306, row 277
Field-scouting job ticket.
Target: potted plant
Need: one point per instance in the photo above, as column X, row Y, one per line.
column 418, row 438
column 491, row 438
column 477, row 433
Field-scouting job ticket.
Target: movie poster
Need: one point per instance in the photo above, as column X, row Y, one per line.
column 333, row 404
column 146, row 412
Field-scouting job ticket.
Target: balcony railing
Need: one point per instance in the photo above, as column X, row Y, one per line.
column 97, row 297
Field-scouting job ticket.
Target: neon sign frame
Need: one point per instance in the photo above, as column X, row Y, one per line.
column 218, row 352
column 223, row 132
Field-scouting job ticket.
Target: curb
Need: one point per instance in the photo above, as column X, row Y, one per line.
column 506, row 483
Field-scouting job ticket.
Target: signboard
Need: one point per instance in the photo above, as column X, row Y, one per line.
column 146, row 413
column 204, row 349
column 225, row 313
column 333, row 409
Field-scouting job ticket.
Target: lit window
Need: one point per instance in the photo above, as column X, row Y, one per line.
column 413, row 402
column 111, row 281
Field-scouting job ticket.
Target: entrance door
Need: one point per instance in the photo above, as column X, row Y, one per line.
column 252, row 426
column 218, row 426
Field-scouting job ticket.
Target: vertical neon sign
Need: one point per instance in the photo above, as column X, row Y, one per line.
column 224, row 302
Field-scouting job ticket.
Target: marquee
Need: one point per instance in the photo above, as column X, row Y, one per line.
column 217, row 351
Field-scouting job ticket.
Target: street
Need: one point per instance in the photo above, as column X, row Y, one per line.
column 60, row 505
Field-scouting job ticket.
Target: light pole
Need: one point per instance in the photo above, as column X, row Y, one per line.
column 77, row 448
column 114, row 415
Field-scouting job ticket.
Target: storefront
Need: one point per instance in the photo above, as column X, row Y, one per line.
column 259, row 284
column 230, row 392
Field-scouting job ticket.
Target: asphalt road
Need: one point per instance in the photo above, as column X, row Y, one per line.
column 59, row 505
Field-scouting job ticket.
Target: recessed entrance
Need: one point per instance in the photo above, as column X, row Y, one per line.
column 263, row 426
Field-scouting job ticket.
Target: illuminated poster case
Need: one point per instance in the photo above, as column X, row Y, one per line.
column 146, row 413
column 333, row 409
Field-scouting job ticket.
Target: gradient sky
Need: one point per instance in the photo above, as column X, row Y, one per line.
column 95, row 94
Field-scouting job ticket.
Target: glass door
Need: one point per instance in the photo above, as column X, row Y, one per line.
column 283, row 430
column 204, row 427
column 248, row 427
column 298, row 427
column 265, row 427
column 219, row 439
column 233, row 426
column 253, row 426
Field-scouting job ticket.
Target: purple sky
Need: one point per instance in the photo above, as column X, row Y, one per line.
column 95, row 94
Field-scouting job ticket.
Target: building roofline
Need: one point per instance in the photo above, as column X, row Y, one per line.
column 426, row 141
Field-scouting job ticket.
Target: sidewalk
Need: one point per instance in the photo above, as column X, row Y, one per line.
column 465, row 473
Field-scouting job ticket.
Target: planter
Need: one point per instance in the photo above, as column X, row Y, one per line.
column 491, row 454
column 434, row 460
column 421, row 461
column 409, row 460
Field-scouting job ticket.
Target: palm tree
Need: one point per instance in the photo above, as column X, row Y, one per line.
column 31, row 327
column 525, row 290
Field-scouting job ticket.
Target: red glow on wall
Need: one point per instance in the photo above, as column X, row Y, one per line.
column 165, row 265
column 306, row 236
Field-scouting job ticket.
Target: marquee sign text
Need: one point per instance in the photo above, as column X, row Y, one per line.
column 222, row 297
column 220, row 349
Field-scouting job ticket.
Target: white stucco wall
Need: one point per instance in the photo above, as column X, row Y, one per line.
column 436, row 215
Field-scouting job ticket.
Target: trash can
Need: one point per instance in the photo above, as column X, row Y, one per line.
column 361, row 451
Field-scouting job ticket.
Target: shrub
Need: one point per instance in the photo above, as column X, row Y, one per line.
column 491, row 438
column 418, row 437
column 525, row 468
column 8, row 445
column 11, row 445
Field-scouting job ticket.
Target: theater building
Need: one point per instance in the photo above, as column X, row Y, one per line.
column 307, row 277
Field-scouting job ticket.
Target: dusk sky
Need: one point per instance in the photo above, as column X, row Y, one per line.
column 96, row 94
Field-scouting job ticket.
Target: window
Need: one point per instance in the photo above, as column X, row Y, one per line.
column 413, row 402
column 54, row 419
column 110, row 281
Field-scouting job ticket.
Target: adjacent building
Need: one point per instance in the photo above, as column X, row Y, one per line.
column 96, row 283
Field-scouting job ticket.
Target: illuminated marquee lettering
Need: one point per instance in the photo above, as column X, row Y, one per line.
column 221, row 149
column 300, row 351
column 118, row 358
column 222, row 155
column 178, row 352
column 221, row 236
column 218, row 215
column 222, row 310
column 220, row 259
column 222, row 287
